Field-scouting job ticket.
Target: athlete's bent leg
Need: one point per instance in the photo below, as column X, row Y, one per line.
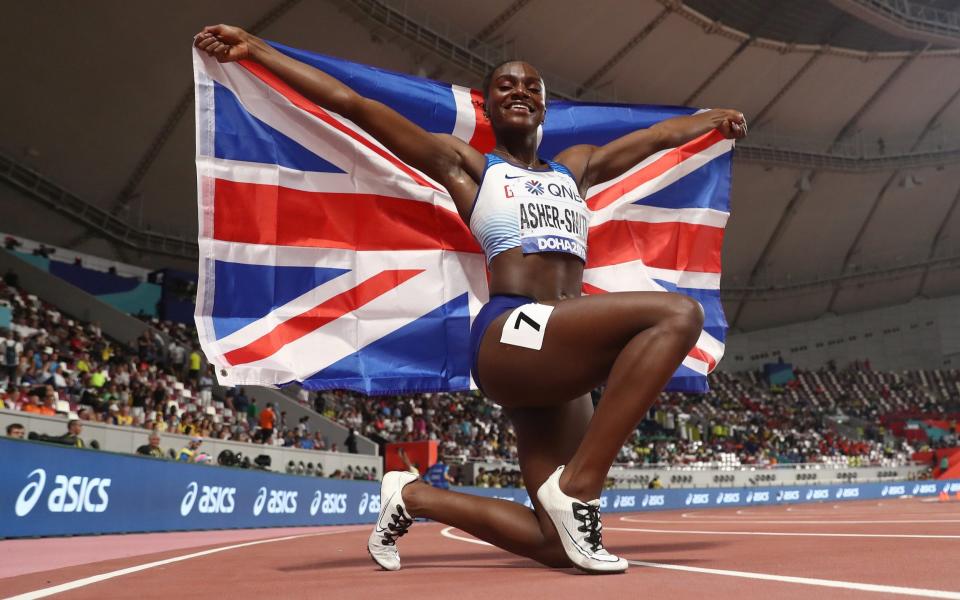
column 547, row 438
column 633, row 341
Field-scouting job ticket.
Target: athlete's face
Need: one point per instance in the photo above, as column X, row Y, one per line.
column 516, row 97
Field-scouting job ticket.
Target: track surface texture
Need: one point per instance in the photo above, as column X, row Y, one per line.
column 894, row 548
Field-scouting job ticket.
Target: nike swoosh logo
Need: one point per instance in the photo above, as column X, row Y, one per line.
column 513, row 176
column 383, row 511
column 589, row 555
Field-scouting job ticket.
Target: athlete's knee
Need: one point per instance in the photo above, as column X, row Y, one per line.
column 685, row 317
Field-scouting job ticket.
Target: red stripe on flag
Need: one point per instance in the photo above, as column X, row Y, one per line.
column 254, row 213
column 298, row 100
column 654, row 169
column 675, row 246
column 482, row 139
column 318, row 316
column 700, row 355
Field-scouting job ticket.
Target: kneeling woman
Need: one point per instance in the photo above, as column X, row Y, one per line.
column 538, row 346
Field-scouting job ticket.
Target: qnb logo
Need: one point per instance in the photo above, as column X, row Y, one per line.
column 820, row 494
column 728, row 498
column 653, row 500
column 534, row 187
column 894, row 490
column 69, row 494
column 330, row 504
column 625, row 501
column 369, row 503
column 788, row 495
column 694, row 499
column 277, row 502
column 214, row 499
column 848, row 493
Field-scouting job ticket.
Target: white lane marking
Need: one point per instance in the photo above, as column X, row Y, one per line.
column 445, row 532
column 791, row 534
column 790, row 521
column 832, row 583
column 78, row 583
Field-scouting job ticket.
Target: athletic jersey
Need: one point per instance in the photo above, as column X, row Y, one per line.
column 436, row 476
column 540, row 211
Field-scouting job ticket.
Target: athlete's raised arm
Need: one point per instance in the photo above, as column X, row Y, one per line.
column 591, row 165
column 454, row 165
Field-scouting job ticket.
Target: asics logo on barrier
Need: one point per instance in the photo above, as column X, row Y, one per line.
column 924, row 488
column 788, row 495
column 624, row 501
column 951, row 487
column 728, row 498
column 330, row 504
column 848, row 493
column 369, row 503
column 280, row 502
column 69, row 494
column 754, row 497
column 214, row 499
column 653, row 500
column 818, row 494
column 697, row 499
column 894, row 490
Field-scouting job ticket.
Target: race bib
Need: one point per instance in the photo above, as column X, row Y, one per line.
column 552, row 218
column 526, row 326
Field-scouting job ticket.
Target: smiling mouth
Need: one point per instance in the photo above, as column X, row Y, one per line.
column 519, row 105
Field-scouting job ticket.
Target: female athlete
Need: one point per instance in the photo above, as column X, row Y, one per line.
column 538, row 346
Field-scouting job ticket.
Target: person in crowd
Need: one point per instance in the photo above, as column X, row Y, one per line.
column 189, row 452
column 655, row 483
column 15, row 430
column 152, row 447
column 267, row 421
column 438, row 475
column 351, row 441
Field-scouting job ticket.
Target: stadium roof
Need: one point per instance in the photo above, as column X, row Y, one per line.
column 845, row 195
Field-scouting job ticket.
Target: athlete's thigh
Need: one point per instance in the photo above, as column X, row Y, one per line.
column 548, row 437
column 582, row 339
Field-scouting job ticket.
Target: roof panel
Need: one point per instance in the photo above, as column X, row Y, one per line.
column 823, row 225
column 826, row 97
column 908, row 217
column 672, row 62
column 903, row 110
column 752, row 80
column 860, row 297
column 760, row 195
column 758, row 314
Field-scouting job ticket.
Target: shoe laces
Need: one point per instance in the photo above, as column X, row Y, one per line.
column 398, row 528
column 589, row 516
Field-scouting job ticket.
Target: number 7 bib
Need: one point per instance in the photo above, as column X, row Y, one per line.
column 526, row 326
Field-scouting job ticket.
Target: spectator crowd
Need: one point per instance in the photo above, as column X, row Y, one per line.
column 55, row 365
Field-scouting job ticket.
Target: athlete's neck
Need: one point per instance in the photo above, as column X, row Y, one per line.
column 519, row 148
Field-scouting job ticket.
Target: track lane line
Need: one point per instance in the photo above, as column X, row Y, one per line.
column 830, row 583
column 792, row 534
column 78, row 583
column 733, row 521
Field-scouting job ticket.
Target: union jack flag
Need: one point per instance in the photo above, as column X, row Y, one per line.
column 327, row 261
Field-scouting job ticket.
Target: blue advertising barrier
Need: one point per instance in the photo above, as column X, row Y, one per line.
column 58, row 490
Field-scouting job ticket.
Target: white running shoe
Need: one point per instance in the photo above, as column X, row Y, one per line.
column 578, row 525
column 393, row 522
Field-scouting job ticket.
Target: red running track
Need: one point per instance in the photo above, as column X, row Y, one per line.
column 877, row 549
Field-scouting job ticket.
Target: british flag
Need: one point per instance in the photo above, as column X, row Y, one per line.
column 327, row 261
